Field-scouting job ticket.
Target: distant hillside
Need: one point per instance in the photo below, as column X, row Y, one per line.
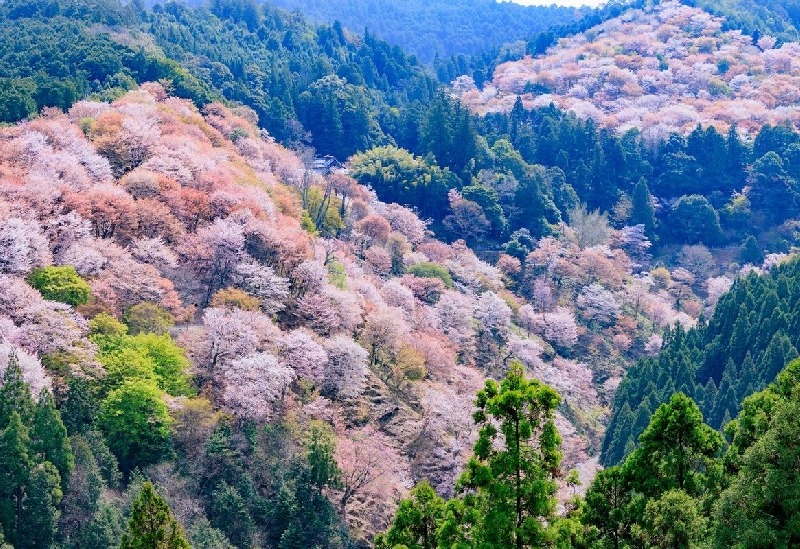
column 779, row 18
column 440, row 28
column 664, row 68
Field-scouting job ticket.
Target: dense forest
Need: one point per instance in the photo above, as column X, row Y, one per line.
column 752, row 334
column 440, row 29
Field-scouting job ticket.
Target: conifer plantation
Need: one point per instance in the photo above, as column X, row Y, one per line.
column 463, row 275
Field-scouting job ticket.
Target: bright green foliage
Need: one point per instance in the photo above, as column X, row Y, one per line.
column 135, row 422
column 145, row 356
column 105, row 329
column 416, row 522
column 61, row 284
column 510, row 479
column 399, row 176
column 40, row 509
column 672, row 522
column 432, row 270
column 148, row 317
column 49, row 436
column 168, row 360
column 152, row 525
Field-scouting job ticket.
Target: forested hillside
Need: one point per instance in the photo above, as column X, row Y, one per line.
column 664, row 68
column 306, row 84
column 752, row 334
column 201, row 335
column 439, row 28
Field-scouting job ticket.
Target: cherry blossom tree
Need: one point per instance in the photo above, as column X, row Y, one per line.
column 254, row 384
column 346, row 370
column 32, row 370
column 233, row 333
column 22, row 246
column 596, row 304
column 300, row 351
column 261, row 281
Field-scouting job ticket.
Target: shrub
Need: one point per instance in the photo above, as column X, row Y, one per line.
column 61, row 284
column 432, row 270
column 147, row 317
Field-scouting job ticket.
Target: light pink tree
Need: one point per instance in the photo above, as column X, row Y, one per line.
column 22, row 246
column 233, row 333
column 255, row 384
column 300, row 351
column 346, row 370
column 261, row 281
column 596, row 304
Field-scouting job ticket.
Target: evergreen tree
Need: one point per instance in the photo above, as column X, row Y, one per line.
column 676, row 451
column 15, row 463
column 152, row 525
column 80, row 407
column 510, row 481
column 104, row 530
column 49, row 436
column 762, row 505
column 229, row 513
column 15, row 393
column 642, row 211
column 39, row 519
column 750, row 252
column 606, row 505
column 416, row 522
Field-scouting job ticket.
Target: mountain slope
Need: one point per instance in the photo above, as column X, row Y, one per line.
column 440, row 29
column 665, row 68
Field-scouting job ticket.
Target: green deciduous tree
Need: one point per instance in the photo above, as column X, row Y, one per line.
column 672, row 521
column 61, row 284
column 135, row 422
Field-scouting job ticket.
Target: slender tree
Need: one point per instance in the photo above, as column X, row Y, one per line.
column 152, row 525
column 511, row 478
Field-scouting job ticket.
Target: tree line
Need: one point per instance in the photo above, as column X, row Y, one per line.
column 751, row 336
